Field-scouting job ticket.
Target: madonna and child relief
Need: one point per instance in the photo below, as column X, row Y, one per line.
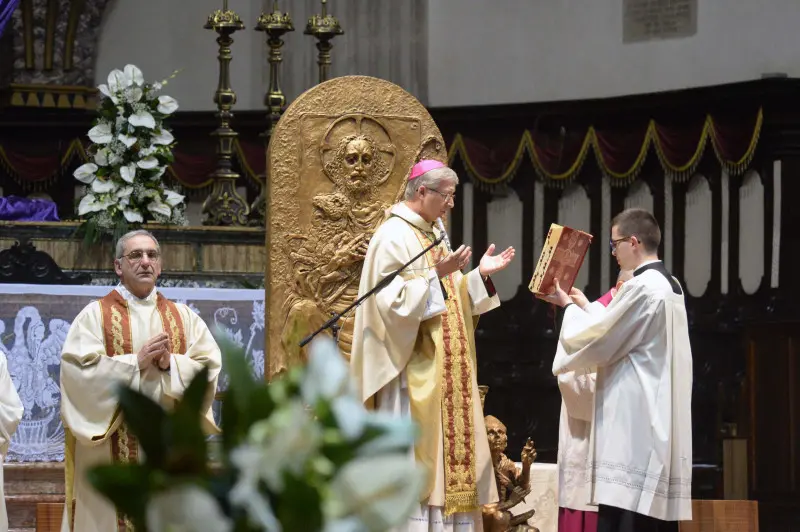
column 333, row 176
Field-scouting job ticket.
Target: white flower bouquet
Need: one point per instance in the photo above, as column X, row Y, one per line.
column 131, row 149
column 299, row 454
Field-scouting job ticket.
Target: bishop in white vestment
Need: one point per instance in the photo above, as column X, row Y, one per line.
column 414, row 352
column 640, row 452
column 136, row 337
column 10, row 414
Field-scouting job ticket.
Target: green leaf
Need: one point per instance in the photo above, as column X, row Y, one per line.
column 234, row 428
column 127, row 486
column 146, row 419
column 188, row 446
column 299, row 506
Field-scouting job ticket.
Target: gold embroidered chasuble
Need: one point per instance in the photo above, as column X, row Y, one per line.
column 99, row 352
column 435, row 357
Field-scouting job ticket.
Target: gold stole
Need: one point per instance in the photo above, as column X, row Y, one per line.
column 118, row 340
column 440, row 375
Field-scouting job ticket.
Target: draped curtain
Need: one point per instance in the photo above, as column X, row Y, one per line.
column 490, row 160
column 7, row 7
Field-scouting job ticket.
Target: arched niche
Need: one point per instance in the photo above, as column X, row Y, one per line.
column 697, row 236
column 504, row 219
column 575, row 210
column 639, row 196
column 751, row 232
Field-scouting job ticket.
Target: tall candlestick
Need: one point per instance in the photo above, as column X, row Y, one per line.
column 324, row 27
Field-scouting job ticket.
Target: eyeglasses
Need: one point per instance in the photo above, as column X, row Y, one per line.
column 613, row 242
column 447, row 197
column 138, row 254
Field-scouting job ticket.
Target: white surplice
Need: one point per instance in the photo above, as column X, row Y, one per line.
column 89, row 379
column 640, row 451
column 11, row 411
column 385, row 338
column 574, row 431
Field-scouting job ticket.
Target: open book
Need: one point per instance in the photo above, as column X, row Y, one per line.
column 561, row 258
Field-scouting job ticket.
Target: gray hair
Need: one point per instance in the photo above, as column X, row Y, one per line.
column 430, row 179
column 130, row 234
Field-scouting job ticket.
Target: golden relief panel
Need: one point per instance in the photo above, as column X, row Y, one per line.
column 338, row 159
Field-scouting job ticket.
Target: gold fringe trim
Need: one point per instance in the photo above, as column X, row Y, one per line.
column 676, row 172
column 460, row 502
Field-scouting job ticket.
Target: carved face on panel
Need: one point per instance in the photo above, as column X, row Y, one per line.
column 497, row 434
column 358, row 157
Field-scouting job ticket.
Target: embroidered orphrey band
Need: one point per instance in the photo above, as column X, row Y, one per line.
column 458, row 423
column 173, row 324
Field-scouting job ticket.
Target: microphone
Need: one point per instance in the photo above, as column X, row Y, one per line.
column 440, row 224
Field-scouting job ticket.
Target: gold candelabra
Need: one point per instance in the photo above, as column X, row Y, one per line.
column 224, row 206
column 274, row 25
column 324, row 27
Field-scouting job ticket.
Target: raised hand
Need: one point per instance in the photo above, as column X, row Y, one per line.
column 491, row 264
column 454, row 261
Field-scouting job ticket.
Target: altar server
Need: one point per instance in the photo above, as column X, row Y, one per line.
column 136, row 337
column 640, row 452
column 575, row 514
column 414, row 351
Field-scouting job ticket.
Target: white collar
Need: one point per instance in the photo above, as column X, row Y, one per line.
column 404, row 211
column 645, row 263
column 128, row 296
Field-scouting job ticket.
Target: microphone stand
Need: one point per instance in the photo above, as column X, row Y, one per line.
column 332, row 323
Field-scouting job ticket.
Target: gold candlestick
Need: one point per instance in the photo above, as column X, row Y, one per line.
column 275, row 25
column 224, row 206
column 324, row 27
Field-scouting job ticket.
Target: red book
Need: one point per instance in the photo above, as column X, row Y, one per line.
column 561, row 258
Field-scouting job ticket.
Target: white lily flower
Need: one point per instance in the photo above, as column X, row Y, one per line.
column 117, row 81
column 283, row 442
column 142, row 119
column 85, row 173
column 348, row 524
column 101, row 186
column 114, row 159
column 86, row 205
column 133, row 94
column 124, row 192
column 101, row 157
column 258, row 508
column 90, row 203
column 351, row 416
column 103, row 88
column 158, row 174
column 148, row 163
column 327, row 375
column 163, row 138
column 186, row 508
column 397, row 434
column 101, row 134
column 159, row 207
column 127, row 140
column 131, row 215
column 380, row 491
column 133, row 73
column 128, row 172
column 167, row 105
column 173, row 198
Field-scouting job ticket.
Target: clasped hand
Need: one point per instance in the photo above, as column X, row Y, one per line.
column 155, row 351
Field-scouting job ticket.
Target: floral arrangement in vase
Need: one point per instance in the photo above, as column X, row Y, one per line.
column 298, row 454
column 130, row 151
